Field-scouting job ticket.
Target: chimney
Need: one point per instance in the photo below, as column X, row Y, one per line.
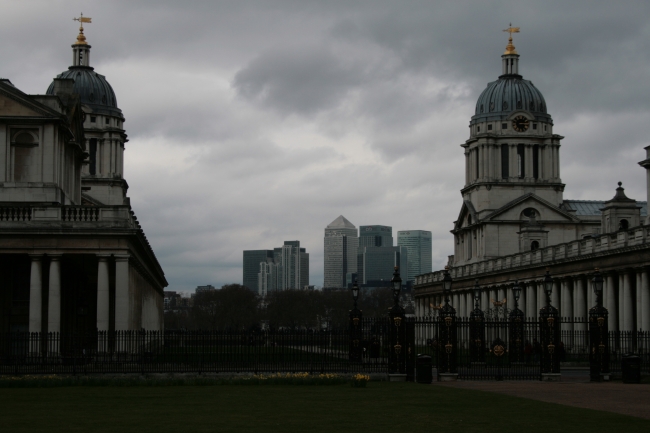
column 63, row 86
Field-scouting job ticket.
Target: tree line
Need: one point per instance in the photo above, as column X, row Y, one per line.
column 235, row 307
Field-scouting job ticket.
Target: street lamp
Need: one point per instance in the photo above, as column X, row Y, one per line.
column 477, row 295
column 548, row 286
column 355, row 293
column 598, row 287
column 516, row 290
column 396, row 283
column 446, row 284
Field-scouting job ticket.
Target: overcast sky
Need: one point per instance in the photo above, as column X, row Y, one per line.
column 255, row 122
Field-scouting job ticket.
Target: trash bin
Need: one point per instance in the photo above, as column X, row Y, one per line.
column 631, row 368
column 423, row 369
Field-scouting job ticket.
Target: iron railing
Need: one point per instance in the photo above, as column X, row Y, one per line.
column 307, row 350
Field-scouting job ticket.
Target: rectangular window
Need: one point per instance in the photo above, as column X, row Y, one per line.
column 505, row 161
column 478, row 128
column 504, row 126
column 107, row 120
column 93, row 119
column 521, row 163
column 536, row 161
column 490, row 127
column 93, row 155
column 534, row 125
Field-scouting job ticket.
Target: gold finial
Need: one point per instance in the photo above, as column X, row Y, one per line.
column 81, row 39
column 510, row 49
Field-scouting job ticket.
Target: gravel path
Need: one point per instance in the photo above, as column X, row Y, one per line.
column 626, row 399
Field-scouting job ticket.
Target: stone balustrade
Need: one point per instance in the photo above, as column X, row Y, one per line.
column 574, row 250
column 33, row 216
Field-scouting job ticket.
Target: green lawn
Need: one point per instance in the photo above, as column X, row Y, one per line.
column 382, row 407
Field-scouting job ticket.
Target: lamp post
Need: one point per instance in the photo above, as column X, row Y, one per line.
column 477, row 327
column 516, row 325
column 447, row 334
column 598, row 332
column 356, row 327
column 549, row 331
column 397, row 359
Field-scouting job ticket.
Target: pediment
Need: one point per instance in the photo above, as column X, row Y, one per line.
column 467, row 209
column 14, row 103
column 545, row 211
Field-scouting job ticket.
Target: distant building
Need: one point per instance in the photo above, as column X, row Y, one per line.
column 252, row 260
column 283, row 268
column 207, row 288
column 418, row 244
column 340, row 252
column 375, row 265
column 375, row 236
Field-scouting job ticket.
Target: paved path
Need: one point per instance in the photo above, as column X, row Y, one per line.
column 626, row 399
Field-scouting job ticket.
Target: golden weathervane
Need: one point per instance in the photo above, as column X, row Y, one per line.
column 81, row 39
column 510, row 49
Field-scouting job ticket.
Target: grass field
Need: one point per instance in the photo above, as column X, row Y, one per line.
column 381, row 407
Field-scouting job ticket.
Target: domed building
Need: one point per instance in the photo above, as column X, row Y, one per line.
column 102, row 176
column 512, row 174
column 74, row 259
column 514, row 222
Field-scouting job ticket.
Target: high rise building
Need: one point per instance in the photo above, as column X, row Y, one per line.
column 375, row 265
column 282, row 268
column 375, row 236
column 340, row 252
column 252, row 260
column 418, row 244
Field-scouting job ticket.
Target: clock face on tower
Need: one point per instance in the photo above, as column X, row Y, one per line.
column 520, row 124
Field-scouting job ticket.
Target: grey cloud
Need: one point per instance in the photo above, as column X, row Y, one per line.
column 304, row 82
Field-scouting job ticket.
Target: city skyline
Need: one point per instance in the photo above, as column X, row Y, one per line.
column 330, row 109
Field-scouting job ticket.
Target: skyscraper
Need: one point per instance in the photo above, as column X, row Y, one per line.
column 282, row 268
column 375, row 236
column 376, row 264
column 418, row 244
column 340, row 248
column 252, row 260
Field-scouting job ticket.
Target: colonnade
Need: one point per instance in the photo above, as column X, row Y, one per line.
column 54, row 293
column 626, row 294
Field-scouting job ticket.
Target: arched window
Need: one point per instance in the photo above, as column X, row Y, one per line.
column 534, row 245
column 469, row 220
column 623, row 224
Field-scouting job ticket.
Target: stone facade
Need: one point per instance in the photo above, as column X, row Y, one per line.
column 514, row 222
column 73, row 256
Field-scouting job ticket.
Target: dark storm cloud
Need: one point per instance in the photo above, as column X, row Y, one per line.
column 255, row 122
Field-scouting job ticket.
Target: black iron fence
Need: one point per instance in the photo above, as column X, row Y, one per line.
column 493, row 350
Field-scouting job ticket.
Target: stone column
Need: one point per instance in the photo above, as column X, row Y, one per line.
column 522, row 300
column 628, row 312
column 454, row 302
column 531, row 300
column 555, row 295
column 462, row 305
column 567, row 304
column 54, row 297
column 122, row 302
column 610, row 302
column 501, row 294
column 580, row 307
column 480, row 154
column 485, row 299
column 510, row 296
column 103, row 294
column 591, row 298
column 35, row 295
column 645, row 301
